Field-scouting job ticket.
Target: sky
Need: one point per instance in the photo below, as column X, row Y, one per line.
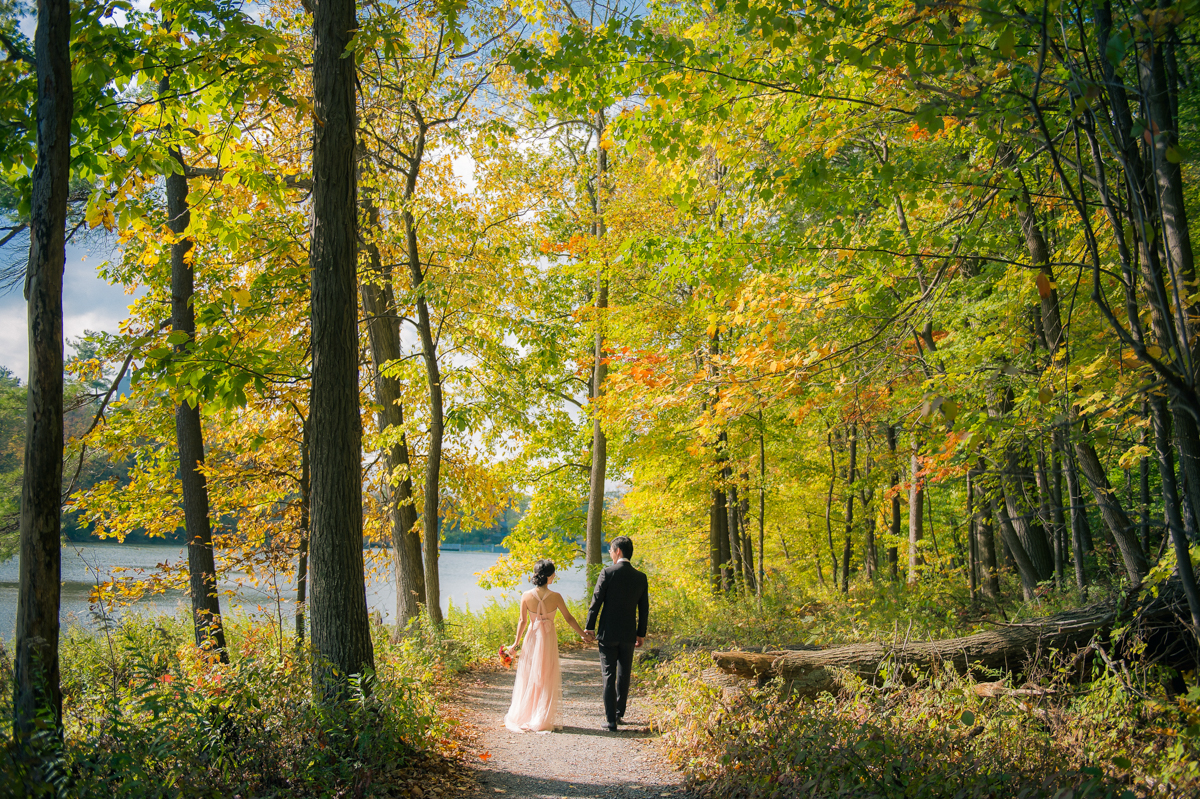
column 89, row 303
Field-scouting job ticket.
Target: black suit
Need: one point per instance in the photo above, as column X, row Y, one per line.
column 622, row 603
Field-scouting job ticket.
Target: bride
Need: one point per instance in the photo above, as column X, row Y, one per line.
column 537, row 692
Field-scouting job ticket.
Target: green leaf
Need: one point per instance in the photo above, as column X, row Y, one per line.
column 967, row 718
column 1121, row 762
column 1007, row 43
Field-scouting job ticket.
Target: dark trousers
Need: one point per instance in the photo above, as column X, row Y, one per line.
column 616, row 662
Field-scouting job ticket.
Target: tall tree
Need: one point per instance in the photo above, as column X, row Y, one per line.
column 341, row 634
column 189, row 436
column 36, row 669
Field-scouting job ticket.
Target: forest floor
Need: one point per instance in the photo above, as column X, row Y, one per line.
column 582, row 761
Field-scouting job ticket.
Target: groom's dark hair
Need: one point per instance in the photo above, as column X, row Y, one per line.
column 623, row 543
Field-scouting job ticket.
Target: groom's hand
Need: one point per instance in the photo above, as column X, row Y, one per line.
column 589, row 636
column 639, row 641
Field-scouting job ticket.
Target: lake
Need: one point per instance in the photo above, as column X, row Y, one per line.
column 83, row 566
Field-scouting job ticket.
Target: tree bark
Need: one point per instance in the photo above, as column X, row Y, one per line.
column 36, row 688
column 379, row 306
column 189, row 435
column 341, row 633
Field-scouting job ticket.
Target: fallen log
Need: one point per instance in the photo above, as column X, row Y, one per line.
column 1159, row 619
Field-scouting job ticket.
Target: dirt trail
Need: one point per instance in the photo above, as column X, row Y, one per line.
column 582, row 761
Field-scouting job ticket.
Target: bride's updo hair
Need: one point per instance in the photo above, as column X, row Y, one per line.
column 542, row 570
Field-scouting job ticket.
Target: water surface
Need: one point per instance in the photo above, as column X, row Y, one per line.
column 85, row 566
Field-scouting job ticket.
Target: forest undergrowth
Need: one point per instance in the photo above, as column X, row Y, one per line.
column 149, row 714
column 1068, row 727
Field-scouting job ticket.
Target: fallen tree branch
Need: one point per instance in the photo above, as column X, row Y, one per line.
column 1156, row 618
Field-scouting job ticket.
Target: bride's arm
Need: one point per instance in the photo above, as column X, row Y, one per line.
column 574, row 625
column 520, row 624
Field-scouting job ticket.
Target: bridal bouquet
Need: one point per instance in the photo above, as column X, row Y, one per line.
column 505, row 656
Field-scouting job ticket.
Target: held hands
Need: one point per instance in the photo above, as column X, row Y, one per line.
column 589, row 636
column 639, row 641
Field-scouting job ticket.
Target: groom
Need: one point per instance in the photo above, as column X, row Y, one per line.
column 622, row 601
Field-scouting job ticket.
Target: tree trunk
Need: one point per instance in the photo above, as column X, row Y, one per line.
column 430, row 513
column 189, row 436
column 599, row 470
column 916, row 506
column 1017, row 482
column 718, row 539
column 1144, row 487
column 989, row 576
column 1171, row 505
column 735, row 536
column 762, row 505
column 305, row 514
column 1122, row 529
column 37, row 690
column 1025, row 568
column 1078, row 514
column 851, row 466
column 379, row 306
column 341, row 632
column 1048, row 516
column 829, row 506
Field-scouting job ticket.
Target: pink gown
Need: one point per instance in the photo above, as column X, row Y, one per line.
column 537, row 692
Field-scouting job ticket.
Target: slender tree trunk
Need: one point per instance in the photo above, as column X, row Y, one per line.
column 202, row 568
column 599, row 470
column 1171, row 504
column 747, row 544
column 1060, row 522
column 1048, row 519
column 972, row 541
column 36, row 689
column 989, row 575
column 735, row 536
column 305, row 513
column 829, row 506
column 851, row 466
column 379, row 306
column 894, row 527
column 1018, row 483
column 1025, row 568
column 431, row 513
column 1144, row 487
column 341, row 632
column 916, row 506
column 718, row 539
column 1122, row 529
column 762, row 505
column 1078, row 513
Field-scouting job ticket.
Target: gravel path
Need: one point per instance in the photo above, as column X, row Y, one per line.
column 582, row 761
